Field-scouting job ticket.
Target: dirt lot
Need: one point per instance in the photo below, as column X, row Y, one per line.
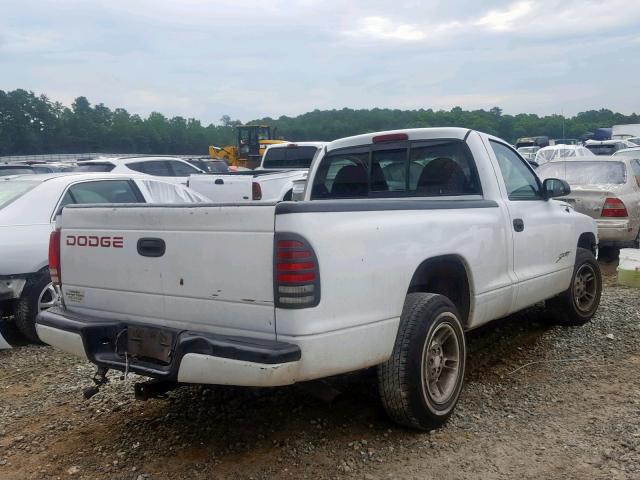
column 540, row 402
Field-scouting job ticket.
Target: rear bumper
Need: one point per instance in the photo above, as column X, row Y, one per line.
column 616, row 232
column 196, row 357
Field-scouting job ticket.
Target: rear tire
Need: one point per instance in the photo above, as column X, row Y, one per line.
column 578, row 304
column 38, row 295
column 421, row 382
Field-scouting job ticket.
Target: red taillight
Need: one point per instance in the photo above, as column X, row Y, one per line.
column 256, row 191
column 614, row 207
column 296, row 273
column 390, row 137
column 54, row 257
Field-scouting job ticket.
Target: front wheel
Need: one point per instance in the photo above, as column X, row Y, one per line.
column 578, row 304
column 421, row 382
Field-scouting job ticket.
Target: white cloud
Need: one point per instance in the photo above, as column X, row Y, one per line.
column 503, row 20
column 384, row 28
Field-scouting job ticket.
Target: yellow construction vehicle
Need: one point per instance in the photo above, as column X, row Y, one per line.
column 251, row 142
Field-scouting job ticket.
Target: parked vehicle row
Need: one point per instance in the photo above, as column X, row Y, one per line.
column 403, row 241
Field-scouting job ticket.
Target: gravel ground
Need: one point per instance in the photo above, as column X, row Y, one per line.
column 539, row 402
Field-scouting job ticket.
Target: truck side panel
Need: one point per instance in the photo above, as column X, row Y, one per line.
column 378, row 251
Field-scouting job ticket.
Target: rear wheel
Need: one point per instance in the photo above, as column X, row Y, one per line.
column 579, row 303
column 421, row 382
column 39, row 294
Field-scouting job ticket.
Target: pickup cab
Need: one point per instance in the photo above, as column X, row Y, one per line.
column 281, row 166
column 404, row 241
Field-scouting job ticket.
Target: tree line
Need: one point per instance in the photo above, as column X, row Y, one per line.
column 33, row 124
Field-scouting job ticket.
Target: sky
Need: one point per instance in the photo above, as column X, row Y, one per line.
column 251, row 59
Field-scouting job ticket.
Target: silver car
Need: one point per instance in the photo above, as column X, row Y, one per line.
column 608, row 190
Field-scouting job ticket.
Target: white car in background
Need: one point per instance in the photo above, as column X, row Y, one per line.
column 29, row 205
column 608, row 190
column 607, row 147
column 561, row 152
column 633, row 152
column 172, row 169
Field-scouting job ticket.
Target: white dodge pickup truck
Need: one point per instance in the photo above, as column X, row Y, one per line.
column 282, row 164
column 404, row 240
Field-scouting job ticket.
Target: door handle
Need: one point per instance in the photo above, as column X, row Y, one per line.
column 219, row 181
column 518, row 224
column 151, row 247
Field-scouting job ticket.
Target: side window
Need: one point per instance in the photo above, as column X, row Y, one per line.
column 104, row 191
column 159, row 168
column 442, row 169
column 342, row 175
column 521, row 182
column 182, row 169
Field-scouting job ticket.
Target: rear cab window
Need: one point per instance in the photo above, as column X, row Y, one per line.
column 291, row 156
column 433, row 168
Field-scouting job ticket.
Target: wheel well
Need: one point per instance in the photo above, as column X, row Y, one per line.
column 588, row 240
column 445, row 275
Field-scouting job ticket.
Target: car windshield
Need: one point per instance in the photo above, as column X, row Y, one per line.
column 5, row 171
column 289, row 157
column 585, row 173
column 94, row 167
column 11, row 190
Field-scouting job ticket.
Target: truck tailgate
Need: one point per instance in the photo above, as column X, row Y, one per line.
column 215, row 274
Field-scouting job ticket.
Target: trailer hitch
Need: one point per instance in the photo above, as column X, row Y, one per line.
column 153, row 389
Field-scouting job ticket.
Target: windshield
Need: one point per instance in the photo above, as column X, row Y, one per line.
column 585, row 173
column 11, row 190
column 5, row 171
column 94, row 167
column 289, row 157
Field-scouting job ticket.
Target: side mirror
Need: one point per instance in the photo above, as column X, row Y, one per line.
column 297, row 192
column 555, row 187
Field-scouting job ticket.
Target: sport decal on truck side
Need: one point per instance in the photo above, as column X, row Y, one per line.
column 94, row 241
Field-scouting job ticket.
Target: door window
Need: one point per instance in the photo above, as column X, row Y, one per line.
column 158, row 168
column 519, row 179
column 181, row 169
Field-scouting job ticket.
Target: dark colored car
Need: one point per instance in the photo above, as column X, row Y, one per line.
column 13, row 169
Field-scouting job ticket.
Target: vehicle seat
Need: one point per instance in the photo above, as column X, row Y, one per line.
column 350, row 181
column 378, row 181
column 442, row 176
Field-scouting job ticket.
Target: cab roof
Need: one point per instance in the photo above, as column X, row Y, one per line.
column 412, row 134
